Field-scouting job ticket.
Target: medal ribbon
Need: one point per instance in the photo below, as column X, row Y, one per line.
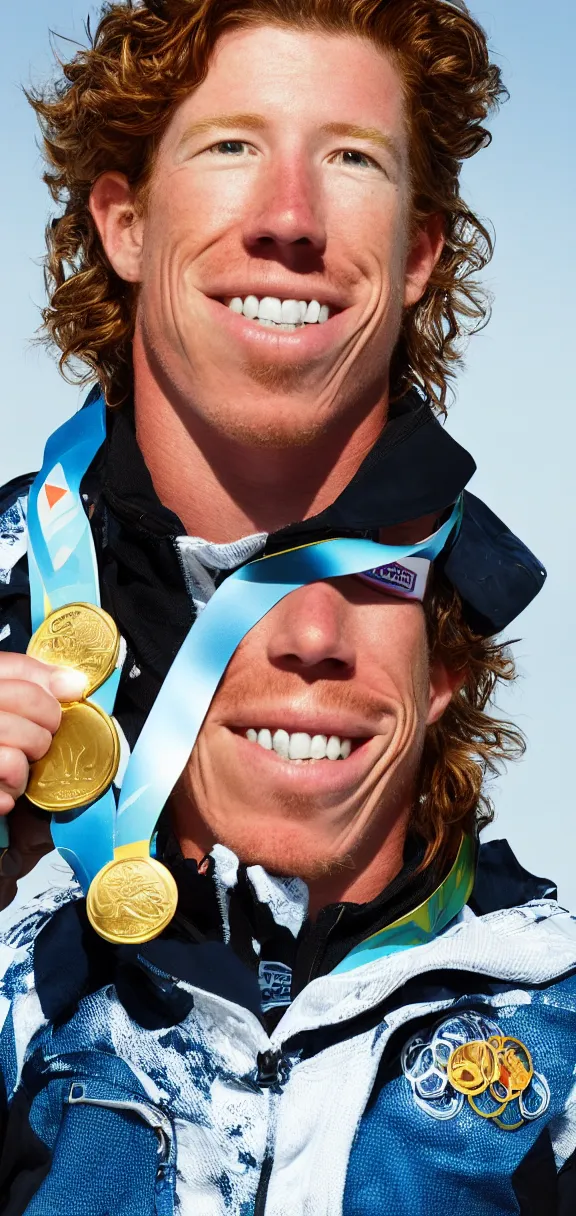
column 60, row 535
column 425, row 922
column 170, row 731
column 64, row 569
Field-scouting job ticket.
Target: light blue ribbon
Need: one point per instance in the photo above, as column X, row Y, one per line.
column 170, row 732
column 74, row 578
column 63, row 567
column 85, row 838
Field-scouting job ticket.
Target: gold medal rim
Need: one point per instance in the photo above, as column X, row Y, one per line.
column 100, row 612
column 74, row 805
column 134, row 939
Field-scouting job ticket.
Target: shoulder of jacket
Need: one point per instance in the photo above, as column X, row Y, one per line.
column 14, row 533
column 18, row 487
column 13, row 541
column 40, row 893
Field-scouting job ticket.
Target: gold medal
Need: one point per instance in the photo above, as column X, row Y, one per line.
column 80, row 636
column 81, row 762
column 132, row 899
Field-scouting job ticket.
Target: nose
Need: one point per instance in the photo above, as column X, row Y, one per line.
column 310, row 633
column 287, row 215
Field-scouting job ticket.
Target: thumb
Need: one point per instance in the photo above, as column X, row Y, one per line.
column 68, row 684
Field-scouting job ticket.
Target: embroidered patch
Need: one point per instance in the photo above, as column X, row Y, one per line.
column 468, row 1058
column 407, row 579
column 396, row 576
column 275, row 981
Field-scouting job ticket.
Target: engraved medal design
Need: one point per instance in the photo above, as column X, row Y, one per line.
column 132, row 900
column 81, row 762
column 80, row 636
column 466, row 1057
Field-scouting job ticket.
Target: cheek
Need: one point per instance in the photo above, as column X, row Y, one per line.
column 201, row 771
column 421, row 692
column 368, row 223
column 217, row 782
column 194, row 207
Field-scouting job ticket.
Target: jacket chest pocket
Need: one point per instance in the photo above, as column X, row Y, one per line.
column 114, row 1155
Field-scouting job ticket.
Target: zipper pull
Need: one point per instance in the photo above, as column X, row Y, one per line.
column 268, row 1063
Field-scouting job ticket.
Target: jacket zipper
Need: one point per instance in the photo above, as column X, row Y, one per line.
column 161, row 1127
column 263, row 1184
column 322, row 945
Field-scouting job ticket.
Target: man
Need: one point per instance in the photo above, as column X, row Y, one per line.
column 214, row 169
column 209, row 164
column 365, row 1036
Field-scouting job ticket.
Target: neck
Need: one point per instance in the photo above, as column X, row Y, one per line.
column 366, row 882
column 222, row 488
column 373, row 871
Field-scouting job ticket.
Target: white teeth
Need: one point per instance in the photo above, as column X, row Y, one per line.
column 273, row 311
column 281, row 743
column 312, row 312
column 270, row 309
column 251, row 305
column 318, row 747
column 291, row 311
column 300, row 745
column 333, row 748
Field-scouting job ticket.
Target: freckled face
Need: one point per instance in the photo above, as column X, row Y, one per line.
column 334, row 660
column 285, row 174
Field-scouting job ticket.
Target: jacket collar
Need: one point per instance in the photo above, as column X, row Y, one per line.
column 415, row 468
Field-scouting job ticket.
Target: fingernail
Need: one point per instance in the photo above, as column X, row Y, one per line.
column 68, row 684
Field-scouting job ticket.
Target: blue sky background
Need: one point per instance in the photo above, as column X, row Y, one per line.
column 516, row 400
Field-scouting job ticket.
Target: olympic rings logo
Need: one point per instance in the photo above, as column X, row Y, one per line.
column 467, row 1057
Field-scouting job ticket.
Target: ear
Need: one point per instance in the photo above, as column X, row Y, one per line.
column 444, row 683
column 119, row 223
column 425, row 249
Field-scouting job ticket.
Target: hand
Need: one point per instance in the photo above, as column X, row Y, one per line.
column 31, row 693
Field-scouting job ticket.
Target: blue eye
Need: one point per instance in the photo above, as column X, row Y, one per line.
column 351, row 157
column 229, row 147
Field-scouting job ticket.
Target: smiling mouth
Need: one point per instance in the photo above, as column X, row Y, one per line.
column 274, row 312
column 301, row 747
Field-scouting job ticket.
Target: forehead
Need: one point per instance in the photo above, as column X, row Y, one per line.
column 299, row 76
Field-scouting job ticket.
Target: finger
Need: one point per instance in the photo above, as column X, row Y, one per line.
column 31, row 702
column 26, row 736
column 66, row 683
column 14, row 772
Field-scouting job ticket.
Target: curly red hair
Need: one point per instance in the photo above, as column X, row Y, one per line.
column 468, row 743
column 115, row 99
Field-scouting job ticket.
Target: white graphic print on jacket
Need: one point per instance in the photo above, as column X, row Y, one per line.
column 201, row 1073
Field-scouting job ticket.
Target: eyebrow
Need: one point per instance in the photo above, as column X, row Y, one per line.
column 224, row 122
column 371, row 135
column 256, row 122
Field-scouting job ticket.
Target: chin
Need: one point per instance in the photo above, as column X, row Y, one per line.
column 290, row 858
column 280, row 419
